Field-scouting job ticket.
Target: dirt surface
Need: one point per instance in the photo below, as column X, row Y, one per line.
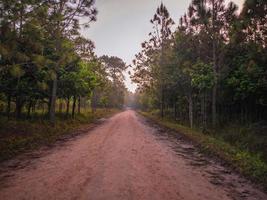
column 123, row 158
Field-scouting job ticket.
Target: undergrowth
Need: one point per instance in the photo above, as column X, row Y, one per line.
column 24, row 135
column 249, row 163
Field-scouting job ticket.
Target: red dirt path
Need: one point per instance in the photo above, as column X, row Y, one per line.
column 124, row 158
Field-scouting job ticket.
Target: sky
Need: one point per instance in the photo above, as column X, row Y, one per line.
column 122, row 25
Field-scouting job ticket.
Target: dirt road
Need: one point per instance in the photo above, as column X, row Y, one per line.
column 123, row 158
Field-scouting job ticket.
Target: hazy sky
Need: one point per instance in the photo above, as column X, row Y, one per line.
column 122, row 25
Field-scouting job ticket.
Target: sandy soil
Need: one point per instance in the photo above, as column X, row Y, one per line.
column 124, row 158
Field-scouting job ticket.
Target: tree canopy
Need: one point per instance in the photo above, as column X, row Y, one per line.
column 46, row 62
column 211, row 70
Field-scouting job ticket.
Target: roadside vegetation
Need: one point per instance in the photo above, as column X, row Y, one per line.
column 51, row 81
column 47, row 65
column 210, row 74
column 247, row 162
column 25, row 135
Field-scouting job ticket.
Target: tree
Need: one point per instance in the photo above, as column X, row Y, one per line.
column 149, row 63
column 162, row 24
column 114, row 68
column 214, row 17
column 64, row 17
column 21, row 53
column 254, row 18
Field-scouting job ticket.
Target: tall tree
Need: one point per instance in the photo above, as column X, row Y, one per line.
column 213, row 16
column 149, row 63
column 64, row 20
column 162, row 24
column 115, row 67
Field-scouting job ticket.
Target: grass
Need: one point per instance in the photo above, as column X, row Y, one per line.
column 26, row 135
column 251, row 137
column 248, row 163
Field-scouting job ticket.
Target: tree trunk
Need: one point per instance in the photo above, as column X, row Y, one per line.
column 203, row 111
column 34, row 106
column 162, row 103
column 49, row 105
column 79, row 104
column 73, row 107
column 68, row 106
column 214, row 112
column 43, row 108
column 8, row 106
column 190, row 109
column 175, row 110
column 52, row 109
column 93, row 101
column 18, row 107
column 214, row 89
column 214, row 57
column 60, row 106
column 29, row 109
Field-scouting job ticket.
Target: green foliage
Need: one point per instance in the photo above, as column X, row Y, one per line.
column 43, row 57
column 211, row 70
column 202, row 76
column 16, row 71
column 112, row 95
column 246, row 79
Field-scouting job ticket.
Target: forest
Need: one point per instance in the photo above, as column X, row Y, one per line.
column 210, row 73
column 211, row 70
column 47, row 67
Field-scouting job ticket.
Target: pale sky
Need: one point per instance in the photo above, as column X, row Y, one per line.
column 122, row 25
